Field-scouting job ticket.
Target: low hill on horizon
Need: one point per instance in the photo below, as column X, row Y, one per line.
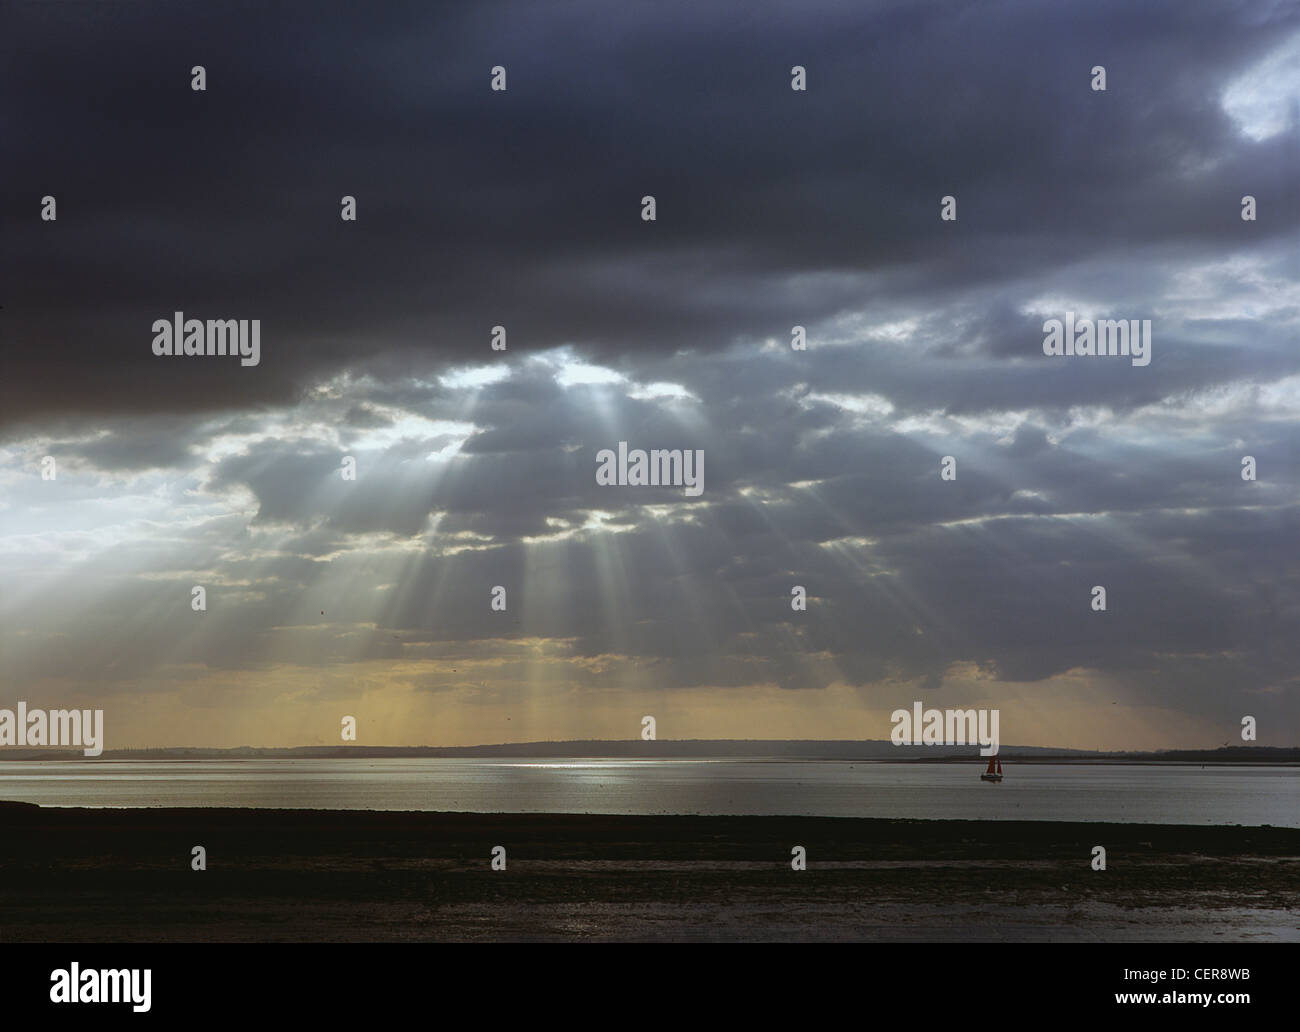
column 724, row 748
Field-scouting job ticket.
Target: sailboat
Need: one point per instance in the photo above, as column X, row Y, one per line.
column 994, row 773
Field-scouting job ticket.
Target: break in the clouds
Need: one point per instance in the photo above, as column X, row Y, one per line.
column 475, row 468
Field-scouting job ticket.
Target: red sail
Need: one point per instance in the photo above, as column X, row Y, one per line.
column 999, row 759
column 992, row 760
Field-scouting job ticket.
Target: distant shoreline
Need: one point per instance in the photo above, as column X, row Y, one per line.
column 667, row 827
column 712, row 749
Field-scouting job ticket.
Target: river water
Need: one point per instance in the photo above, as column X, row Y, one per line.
column 1157, row 794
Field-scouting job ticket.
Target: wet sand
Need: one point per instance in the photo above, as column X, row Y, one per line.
column 82, row 875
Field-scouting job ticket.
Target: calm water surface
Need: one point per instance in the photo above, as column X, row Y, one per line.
column 1166, row 794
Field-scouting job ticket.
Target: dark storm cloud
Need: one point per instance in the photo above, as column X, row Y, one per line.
column 479, row 208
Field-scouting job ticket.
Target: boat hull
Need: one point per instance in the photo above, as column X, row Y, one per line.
column 990, row 777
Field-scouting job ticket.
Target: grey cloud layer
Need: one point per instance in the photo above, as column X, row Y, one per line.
column 479, row 208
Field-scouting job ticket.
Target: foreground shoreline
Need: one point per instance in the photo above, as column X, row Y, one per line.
column 124, row 875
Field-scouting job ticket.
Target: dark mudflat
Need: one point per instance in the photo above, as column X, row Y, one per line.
column 100, row 875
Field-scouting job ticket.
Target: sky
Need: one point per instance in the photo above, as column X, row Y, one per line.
column 476, row 468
